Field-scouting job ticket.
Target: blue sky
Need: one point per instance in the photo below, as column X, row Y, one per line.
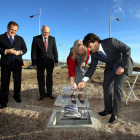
column 70, row 20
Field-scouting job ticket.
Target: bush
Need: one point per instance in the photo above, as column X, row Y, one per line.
column 63, row 67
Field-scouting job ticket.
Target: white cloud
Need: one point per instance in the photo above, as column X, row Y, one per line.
column 85, row 10
column 86, row 23
column 138, row 14
column 134, row 12
column 119, row 8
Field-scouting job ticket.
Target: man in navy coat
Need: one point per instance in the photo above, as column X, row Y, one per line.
column 119, row 64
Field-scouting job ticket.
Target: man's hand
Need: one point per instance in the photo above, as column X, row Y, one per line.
column 119, row 71
column 83, row 64
column 56, row 64
column 10, row 51
column 35, row 67
column 16, row 52
column 81, row 84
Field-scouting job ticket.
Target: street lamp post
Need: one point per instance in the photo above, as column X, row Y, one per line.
column 39, row 20
column 63, row 52
column 110, row 23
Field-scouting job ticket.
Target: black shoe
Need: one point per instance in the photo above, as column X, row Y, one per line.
column 73, row 99
column 2, row 106
column 18, row 100
column 113, row 119
column 80, row 99
column 51, row 96
column 41, row 98
column 104, row 113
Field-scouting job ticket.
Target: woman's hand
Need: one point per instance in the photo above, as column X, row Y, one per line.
column 73, row 86
column 83, row 64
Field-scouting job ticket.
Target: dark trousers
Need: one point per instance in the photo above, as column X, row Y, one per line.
column 112, row 80
column 41, row 79
column 5, row 81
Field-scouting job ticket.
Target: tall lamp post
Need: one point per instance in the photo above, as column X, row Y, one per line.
column 110, row 23
column 64, row 53
column 39, row 20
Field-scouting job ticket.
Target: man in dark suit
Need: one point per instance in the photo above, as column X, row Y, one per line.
column 12, row 47
column 44, row 55
column 119, row 64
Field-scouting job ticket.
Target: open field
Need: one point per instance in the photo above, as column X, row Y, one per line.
column 28, row 120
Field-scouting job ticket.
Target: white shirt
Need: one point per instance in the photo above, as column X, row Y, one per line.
column 101, row 49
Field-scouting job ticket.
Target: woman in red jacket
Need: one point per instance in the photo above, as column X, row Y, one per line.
column 76, row 61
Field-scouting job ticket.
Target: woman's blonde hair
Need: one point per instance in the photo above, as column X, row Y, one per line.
column 75, row 48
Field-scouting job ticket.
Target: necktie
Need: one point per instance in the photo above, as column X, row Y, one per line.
column 103, row 55
column 12, row 43
column 11, row 40
column 45, row 43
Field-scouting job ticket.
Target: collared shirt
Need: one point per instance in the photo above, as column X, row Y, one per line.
column 9, row 36
column 44, row 41
column 101, row 49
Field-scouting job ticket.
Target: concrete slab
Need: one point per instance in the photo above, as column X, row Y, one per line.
column 56, row 121
column 67, row 100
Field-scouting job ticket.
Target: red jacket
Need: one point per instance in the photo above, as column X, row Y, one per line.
column 73, row 63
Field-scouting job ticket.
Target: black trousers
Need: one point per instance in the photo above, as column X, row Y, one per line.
column 111, row 81
column 5, row 81
column 49, row 78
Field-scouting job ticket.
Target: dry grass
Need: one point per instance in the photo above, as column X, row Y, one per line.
column 28, row 120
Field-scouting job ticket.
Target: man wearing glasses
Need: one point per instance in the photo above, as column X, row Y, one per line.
column 12, row 47
column 44, row 56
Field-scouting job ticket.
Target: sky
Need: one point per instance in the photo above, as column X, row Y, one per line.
column 70, row 20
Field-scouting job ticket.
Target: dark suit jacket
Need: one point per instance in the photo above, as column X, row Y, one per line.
column 19, row 44
column 39, row 54
column 118, row 54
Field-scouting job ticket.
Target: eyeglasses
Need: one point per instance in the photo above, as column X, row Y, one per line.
column 46, row 32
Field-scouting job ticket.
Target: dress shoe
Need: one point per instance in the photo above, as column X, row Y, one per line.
column 73, row 99
column 80, row 98
column 104, row 113
column 18, row 100
column 41, row 98
column 113, row 119
column 51, row 96
column 2, row 106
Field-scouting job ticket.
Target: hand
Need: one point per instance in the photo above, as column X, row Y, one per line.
column 10, row 51
column 73, row 86
column 119, row 71
column 56, row 64
column 35, row 67
column 16, row 52
column 81, row 84
column 83, row 64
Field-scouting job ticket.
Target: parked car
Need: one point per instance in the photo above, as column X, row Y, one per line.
column 97, row 67
column 30, row 67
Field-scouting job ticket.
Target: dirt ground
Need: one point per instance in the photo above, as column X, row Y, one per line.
column 28, row 120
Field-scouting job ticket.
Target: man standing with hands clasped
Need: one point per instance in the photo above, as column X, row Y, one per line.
column 119, row 64
column 12, row 47
column 44, row 55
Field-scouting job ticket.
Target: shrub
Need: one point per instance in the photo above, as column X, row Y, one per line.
column 63, row 67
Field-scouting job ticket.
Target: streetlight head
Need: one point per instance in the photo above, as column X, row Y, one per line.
column 31, row 16
column 117, row 19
